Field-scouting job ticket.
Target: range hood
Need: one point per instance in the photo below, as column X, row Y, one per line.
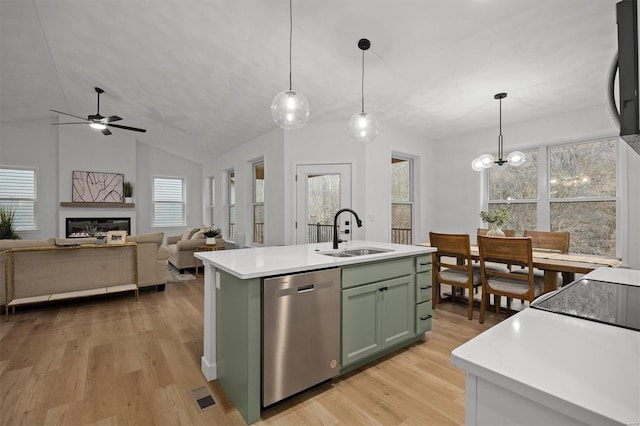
column 627, row 117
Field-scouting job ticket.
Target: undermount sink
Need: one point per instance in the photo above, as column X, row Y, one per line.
column 356, row 252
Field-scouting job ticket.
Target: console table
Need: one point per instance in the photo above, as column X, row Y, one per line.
column 64, row 272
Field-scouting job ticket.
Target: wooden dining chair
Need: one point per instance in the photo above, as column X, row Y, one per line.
column 552, row 241
column 452, row 266
column 508, row 251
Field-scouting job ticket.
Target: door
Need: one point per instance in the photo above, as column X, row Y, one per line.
column 360, row 322
column 322, row 190
column 397, row 310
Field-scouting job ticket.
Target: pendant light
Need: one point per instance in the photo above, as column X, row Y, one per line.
column 363, row 127
column 485, row 161
column 290, row 109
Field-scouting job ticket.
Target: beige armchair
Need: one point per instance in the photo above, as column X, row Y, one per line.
column 182, row 247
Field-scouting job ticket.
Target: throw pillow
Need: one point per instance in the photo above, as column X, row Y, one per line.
column 198, row 235
column 186, row 235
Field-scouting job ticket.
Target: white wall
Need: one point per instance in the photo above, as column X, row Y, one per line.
column 459, row 191
column 34, row 144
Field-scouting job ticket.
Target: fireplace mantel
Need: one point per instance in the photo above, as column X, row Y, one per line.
column 102, row 205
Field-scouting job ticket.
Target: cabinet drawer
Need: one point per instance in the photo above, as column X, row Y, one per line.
column 423, row 317
column 376, row 271
column 423, row 287
column 423, row 263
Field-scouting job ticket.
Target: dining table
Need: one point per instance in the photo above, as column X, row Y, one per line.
column 552, row 263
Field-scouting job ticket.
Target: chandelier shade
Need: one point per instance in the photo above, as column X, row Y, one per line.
column 485, row 161
column 363, row 127
column 290, row 109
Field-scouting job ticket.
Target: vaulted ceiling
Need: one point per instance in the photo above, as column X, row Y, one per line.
column 205, row 72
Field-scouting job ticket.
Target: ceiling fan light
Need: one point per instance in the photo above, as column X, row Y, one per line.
column 290, row 110
column 516, row 158
column 363, row 127
column 97, row 126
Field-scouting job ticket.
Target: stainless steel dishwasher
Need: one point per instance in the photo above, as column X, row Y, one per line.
column 301, row 332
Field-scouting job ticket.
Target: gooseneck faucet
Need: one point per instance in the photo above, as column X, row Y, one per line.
column 336, row 240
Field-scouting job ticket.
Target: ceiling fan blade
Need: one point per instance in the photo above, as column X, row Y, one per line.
column 112, row 118
column 135, row 129
column 106, row 132
column 75, row 122
column 70, row 115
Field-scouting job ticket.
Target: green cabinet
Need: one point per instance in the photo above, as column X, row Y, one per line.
column 377, row 316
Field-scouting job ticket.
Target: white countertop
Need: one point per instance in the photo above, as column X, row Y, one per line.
column 267, row 261
column 569, row 364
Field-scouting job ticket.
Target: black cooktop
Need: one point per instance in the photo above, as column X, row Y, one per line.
column 601, row 301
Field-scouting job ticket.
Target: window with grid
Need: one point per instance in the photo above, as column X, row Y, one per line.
column 516, row 188
column 168, row 201
column 231, row 202
column 18, row 194
column 258, row 202
column 401, row 200
column 583, row 197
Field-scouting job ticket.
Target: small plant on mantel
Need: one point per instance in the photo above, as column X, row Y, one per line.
column 127, row 189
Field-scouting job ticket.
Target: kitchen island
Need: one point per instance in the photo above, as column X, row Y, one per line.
column 540, row 367
column 392, row 278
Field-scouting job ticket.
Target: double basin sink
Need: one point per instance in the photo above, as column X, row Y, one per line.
column 363, row 251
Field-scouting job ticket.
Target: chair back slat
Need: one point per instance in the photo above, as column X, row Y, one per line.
column 555, row 241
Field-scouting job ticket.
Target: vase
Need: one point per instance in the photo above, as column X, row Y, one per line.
column 494, row 230
column 128, row 199
column 210, row 241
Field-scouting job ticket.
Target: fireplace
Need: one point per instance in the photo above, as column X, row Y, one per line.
column 77, row 227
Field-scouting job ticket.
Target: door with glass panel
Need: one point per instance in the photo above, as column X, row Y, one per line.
column 322, row 190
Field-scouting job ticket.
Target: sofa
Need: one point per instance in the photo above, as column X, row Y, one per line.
column 41, row 272
column 182, row 247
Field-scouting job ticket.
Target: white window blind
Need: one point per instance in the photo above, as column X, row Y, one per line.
column 18, row 192
column 168, row 201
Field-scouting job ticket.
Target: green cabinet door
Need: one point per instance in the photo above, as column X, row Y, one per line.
column 376, row 316
column 397, row 307
column 360, row 322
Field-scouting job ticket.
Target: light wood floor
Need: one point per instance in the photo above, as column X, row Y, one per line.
column 117, row 361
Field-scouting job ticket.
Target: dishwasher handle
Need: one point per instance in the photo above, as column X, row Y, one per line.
column 306, row 288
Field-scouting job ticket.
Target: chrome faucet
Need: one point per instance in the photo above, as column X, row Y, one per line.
column 336, row 240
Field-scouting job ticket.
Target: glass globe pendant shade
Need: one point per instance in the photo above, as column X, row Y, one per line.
column 516, row 158
column 477, row 165
column 487, row 160
column 290, row 110
column 363, row 127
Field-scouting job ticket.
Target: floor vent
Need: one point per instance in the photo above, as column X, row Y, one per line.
column 203, row 399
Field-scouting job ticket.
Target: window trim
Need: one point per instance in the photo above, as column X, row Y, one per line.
column 411, row 202
column 229, row 204
column 255, row 203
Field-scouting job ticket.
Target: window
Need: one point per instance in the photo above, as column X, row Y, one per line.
column 18, row 192
column 516, row 188
column 401, row 200
column 578, row 194
column 258, row 203
column 582, row 189
column 168, row 201
column 213, row 200
column 231, row 201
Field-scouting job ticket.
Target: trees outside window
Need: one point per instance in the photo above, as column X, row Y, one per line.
column 258, row 202
column 231, row 203
column 401, row 200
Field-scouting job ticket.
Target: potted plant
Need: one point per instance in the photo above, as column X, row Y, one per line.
column 7, row 224
column 127, row 189
column 495, row 218
column 210, row 234
column 92, row 231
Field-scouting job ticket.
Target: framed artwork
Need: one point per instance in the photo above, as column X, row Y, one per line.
column 97, row 187
column 116, row 237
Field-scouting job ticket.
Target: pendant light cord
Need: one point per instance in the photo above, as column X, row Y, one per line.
column 290, row 40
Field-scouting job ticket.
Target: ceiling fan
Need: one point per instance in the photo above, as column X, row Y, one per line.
column 97, row 121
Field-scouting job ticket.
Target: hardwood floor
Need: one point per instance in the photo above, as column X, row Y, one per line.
column 114, row 361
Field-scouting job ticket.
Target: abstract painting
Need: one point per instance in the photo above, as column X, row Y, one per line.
column 97, row 187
